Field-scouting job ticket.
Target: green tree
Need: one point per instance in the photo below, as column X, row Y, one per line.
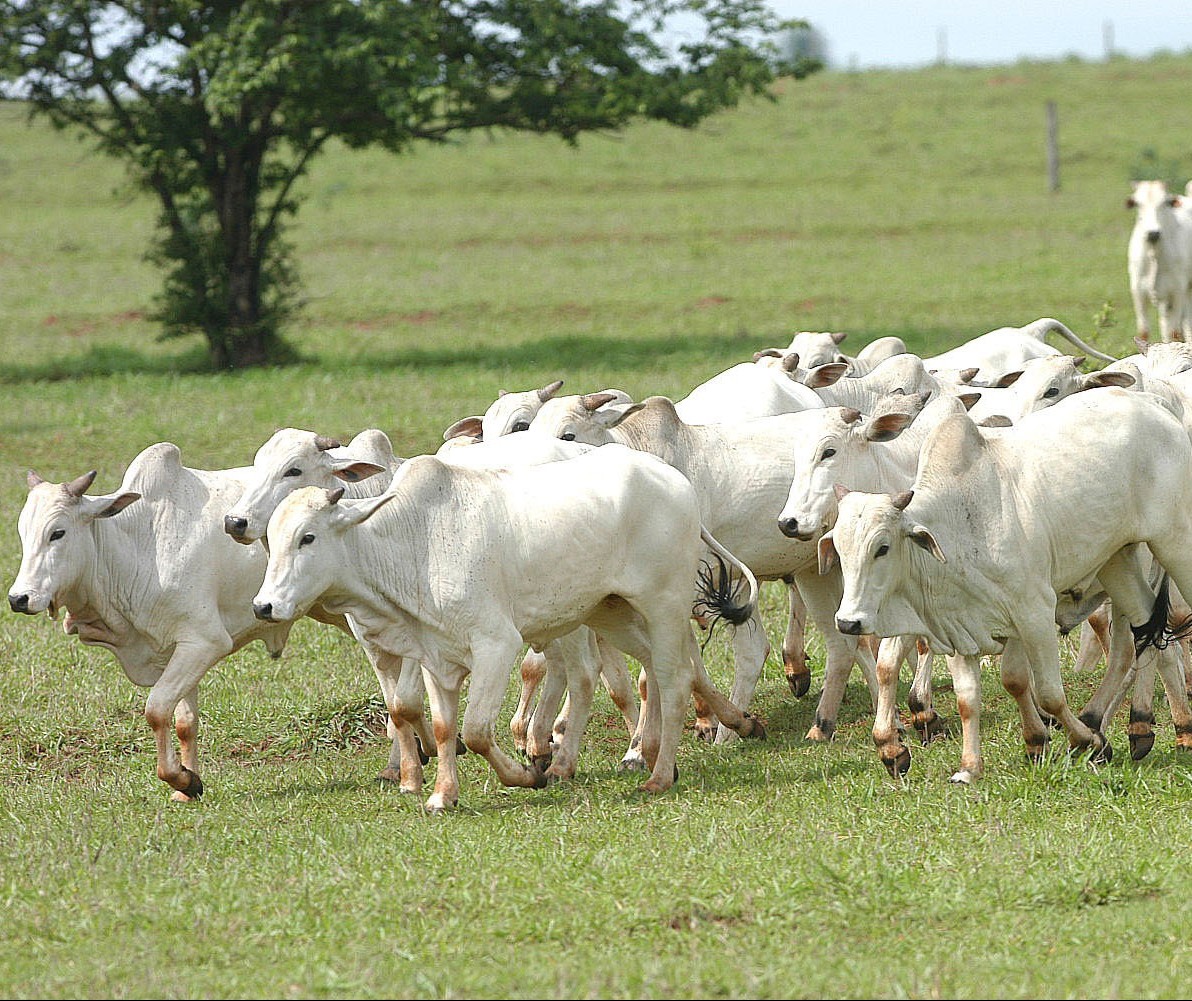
column 219, row 107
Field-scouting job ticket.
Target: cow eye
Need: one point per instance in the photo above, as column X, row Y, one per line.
column 520, row 425
column 828, row 453
column 881, row 551
column 292, row 471
column 1052, row 392
column 306, row 540
column 57, row 534
column 569, row 436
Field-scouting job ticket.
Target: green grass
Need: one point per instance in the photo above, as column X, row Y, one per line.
column 910, row 203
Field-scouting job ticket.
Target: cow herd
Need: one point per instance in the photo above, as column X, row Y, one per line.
column 967, row 505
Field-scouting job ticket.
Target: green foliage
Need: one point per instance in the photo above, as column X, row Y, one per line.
column 218, row 108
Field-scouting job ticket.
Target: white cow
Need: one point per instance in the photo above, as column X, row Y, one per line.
column 741, row 472
column 458, row 567
column 1159, row 260
column 997, row 352
column 148, row 573
column 1041, row 383
column 978, row 554
column 821, row 347
column 743, row 392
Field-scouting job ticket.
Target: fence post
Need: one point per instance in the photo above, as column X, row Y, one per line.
column 1053, row 147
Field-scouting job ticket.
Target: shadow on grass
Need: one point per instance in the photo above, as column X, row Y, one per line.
column 561, row 352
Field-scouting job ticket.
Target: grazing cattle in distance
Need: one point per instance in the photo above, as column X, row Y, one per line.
column 458, row 567
column 1004, row 350
column 1159, row 260
column 996, row 530
column 148, row 573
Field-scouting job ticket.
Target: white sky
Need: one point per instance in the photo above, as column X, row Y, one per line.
column 864, row 34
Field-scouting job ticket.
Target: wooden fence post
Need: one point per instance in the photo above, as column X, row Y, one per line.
column 1053, row 147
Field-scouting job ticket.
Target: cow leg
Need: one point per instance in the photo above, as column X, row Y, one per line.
column 542, row 721
column 404, row 692
column 1015, row 670
column 1042, row 650
column 1094, row 639
column 186, row 729
column 966, row 683
column 823, row 595
column 673, row 654
column 924, row 718
column 794, row 642
column 887, row 734
column 442, row 686
column 751, row 647
column 190, row 660
column 1120, row 673
column 731, row 715
column 582, row 667
column 633, row 759
column 486, row 691
column 533, row 670
column 614, row 673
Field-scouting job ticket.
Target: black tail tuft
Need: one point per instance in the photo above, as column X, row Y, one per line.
column 1156, row 631
column 718, row 596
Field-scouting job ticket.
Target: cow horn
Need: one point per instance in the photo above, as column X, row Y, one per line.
column 333, row 496
column 546, row 392
column 900, row 501
column 790, row 362
column 77, row 487
column 594, row 401
column 33, row 479
column 322, row 442
column 850, row 415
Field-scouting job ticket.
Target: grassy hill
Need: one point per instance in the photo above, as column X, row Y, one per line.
column 909, row 203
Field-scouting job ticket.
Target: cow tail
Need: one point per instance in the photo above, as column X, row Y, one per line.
column 1158, row 631
column 717, row 589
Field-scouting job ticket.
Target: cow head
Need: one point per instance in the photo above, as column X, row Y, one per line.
column 307, row 552
column 57, row 546
column 1151, row 201
column 512, row 412
column 873, row 542
column 293, row 458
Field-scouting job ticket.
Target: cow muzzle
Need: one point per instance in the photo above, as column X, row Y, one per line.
column 1152, row 235
column 236, row 527
column 792, row 529
column 850, row 627
column 19, row 603
column 263, row 610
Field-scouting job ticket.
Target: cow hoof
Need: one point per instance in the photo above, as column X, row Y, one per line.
column 193, row 790
column 632, row 762
column 800, row 684
column 1102, row 752
column 930, row 728
column 705, row 731
column 540, row 762
column 822, row 731
column 437, row 804
column 963, row 777
column 390, row 775
column 754, row 728
column 1141, row 744
column 898, row 765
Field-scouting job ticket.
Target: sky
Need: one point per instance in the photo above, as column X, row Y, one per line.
column 906, row 33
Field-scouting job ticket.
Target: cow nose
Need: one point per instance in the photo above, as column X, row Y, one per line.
column 18, row 602
column 850, row 627
column 1152, row 236
column 263, row 610
column 789, row 527
column 235, row 526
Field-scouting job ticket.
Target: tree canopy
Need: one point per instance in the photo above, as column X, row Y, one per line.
column 218, row 108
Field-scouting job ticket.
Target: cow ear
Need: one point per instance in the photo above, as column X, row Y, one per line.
column 923, row 538
column 107, row 505
column 360, row 511
column 1008, row 379
column 827, row 374
column 1142, row 344
column 353, row 471
column 464, row 427
column 968, row 399
column 996, row 421
column 828, row 557
column 611, row 414
column 840, row 490
column 887, row 427
column 967, row 375
column 1131, row 203
column 1096, row 380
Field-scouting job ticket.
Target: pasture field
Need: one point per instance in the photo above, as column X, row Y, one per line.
column 908, row 203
